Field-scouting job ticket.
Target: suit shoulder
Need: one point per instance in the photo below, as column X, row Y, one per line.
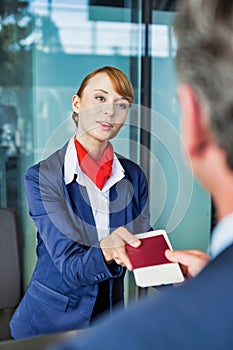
column 128, row 164
column 51, row 164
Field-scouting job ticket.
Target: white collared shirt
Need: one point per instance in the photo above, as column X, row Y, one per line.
column 222, row 236
column 99, row 199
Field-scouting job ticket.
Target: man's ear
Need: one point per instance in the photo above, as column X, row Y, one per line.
column 194, row 127
column 75, row 104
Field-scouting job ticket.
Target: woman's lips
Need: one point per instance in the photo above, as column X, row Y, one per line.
column 105, row 125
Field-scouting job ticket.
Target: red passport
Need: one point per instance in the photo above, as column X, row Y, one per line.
column 150, row 252
column 150, row 266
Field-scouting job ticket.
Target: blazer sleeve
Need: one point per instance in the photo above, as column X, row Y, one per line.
column 76, row 261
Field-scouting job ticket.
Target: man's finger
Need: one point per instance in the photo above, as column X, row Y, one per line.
column 179, row 256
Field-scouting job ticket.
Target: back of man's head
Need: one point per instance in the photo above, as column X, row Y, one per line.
column 205, row 61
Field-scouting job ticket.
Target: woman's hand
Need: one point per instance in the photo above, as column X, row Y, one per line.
column 113, row 246
column 191, row 261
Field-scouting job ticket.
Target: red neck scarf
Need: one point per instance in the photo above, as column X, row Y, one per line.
column 99, row 171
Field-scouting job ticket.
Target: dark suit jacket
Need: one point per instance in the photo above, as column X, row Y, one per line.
column 70, row 264
column 196, row 315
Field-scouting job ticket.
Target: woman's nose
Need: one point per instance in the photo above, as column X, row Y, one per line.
column 109, row 109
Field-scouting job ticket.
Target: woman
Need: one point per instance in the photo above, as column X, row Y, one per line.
column 80, row 198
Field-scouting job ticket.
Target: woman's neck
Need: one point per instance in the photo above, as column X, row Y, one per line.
column 95, row 149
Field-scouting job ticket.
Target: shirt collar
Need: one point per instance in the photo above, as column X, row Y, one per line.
column 71, row 164
column 222, row 236
column 72, row 167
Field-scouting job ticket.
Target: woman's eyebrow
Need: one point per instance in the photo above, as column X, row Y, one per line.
column 106, row 92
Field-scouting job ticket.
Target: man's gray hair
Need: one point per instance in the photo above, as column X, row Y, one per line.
column 204, row 60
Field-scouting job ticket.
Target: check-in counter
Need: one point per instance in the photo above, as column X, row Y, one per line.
column 41, row 342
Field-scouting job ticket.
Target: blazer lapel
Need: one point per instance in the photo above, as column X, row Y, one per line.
column 120, row 198
column 80, row 204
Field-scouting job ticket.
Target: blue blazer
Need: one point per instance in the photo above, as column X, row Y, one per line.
column 195, row 315
column 70, row 265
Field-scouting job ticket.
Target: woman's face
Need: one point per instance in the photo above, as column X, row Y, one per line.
column 102, row 111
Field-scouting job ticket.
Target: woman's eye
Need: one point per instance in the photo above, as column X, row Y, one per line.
column 122, row 105
column 100, row 98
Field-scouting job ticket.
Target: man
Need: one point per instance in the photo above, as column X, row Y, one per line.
column 198, row 314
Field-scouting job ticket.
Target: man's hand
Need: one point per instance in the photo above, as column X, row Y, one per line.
column 191, row 261
column 113, row 246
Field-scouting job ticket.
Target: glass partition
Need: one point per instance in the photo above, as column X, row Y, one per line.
column 178, row 202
